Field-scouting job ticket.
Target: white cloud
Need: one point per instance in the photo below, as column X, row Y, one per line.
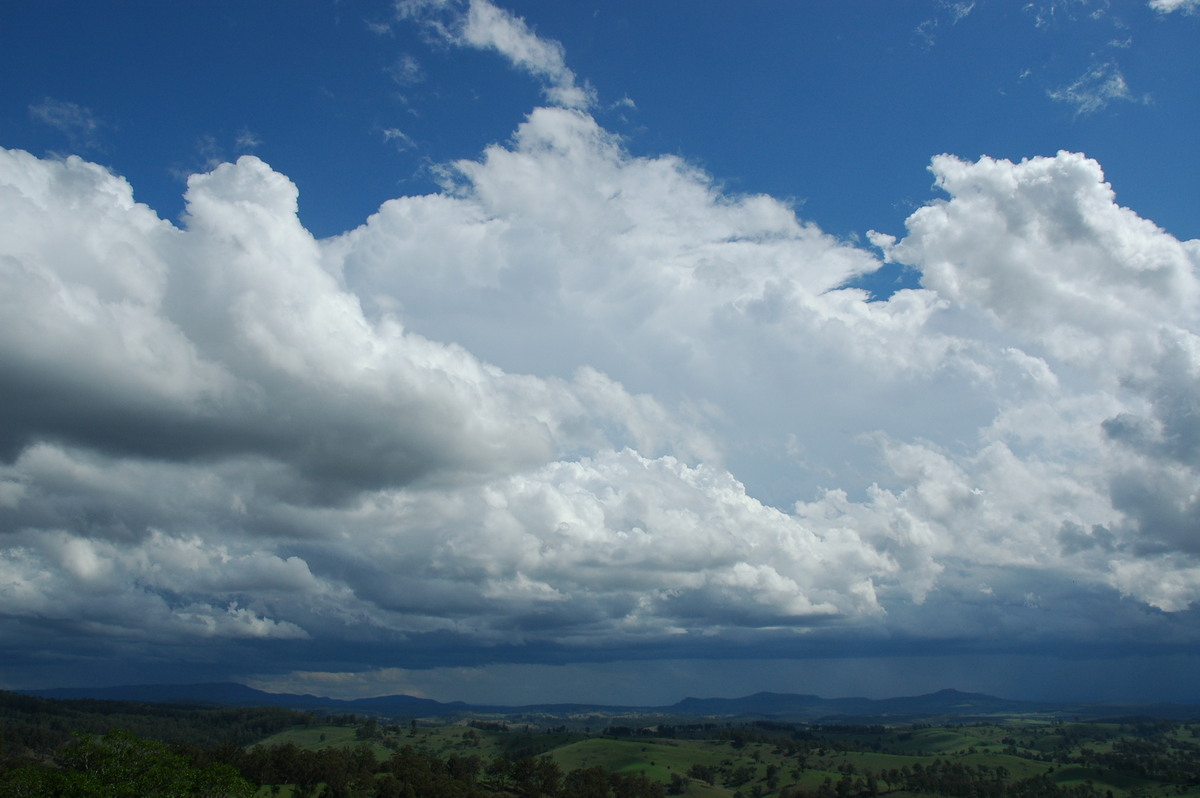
column 958, row 10
column 233, row 350
column 563, row 250
column 247, row 141
column 1167, row 6
column 485, row 26
column 1105, row 304
column 80, row 126
column 1092, row 91
column 399, row 139
column 1042, row 247
column 565, row 399
column 1047, row 13
column 1170, row 583
column 954, row 11
column 162, row 589
column 138, row 321
column 407, row 71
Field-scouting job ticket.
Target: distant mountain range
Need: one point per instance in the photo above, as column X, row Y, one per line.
column 944, row 704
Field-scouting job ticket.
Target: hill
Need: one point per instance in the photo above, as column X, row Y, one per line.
column 938, row 706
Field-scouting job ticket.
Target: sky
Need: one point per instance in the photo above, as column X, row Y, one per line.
column 526, row 351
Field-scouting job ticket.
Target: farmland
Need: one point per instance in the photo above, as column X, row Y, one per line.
column 1130, row 757
column 277, row 752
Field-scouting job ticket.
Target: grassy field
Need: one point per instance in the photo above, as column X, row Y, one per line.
column 751, row 762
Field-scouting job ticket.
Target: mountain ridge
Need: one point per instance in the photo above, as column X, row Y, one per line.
column 947, row 702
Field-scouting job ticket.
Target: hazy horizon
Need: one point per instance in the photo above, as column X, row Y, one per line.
column 97, row 691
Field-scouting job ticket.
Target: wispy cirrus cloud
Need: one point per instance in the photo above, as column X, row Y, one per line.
column 406, row 71
column 398, row 138
column 1095, row 89
column 953, row 12
column 79, row 124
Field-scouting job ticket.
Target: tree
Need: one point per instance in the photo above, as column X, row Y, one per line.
column 120, row 765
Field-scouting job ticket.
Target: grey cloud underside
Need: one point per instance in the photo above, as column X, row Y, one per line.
column 531, row 416
column 162, row 350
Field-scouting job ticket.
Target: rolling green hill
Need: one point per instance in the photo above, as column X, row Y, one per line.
column 300, row 755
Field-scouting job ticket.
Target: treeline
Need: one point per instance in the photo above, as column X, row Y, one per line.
column 1171, row 761
column 943, row 777
column 354, row 772
column 53, row 748
column 121, row 765
column 1152, row 749
column 31, row 726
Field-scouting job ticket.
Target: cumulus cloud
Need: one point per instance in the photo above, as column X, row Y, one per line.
column 588, row 400
column 119, row 319
column 164, row 589
column 1043, row 252
column 484, row 26
column 1043, row 248
column 230, row 355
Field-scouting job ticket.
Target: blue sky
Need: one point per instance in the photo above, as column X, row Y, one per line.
column 618, row 352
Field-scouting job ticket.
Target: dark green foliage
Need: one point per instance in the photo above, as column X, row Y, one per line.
column 120, row 765
column 520, row 745
column 1026, row 759
column 943, row 777
column 38, row 726
column 595, row 782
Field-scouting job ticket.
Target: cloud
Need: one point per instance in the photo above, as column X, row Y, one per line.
column 80, row 126
column 123, row 309
column 337, row 451
column 247, row 141
column 955, row 12
column 1095, row 89
column 585, row 403
column 1047, row 13
column 401, row 140
column 1167, row 6
column 484, row 26
column 958, row 11
column 164, row 589
column 607, row 549
column 1041, row 249
column 406, row 71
